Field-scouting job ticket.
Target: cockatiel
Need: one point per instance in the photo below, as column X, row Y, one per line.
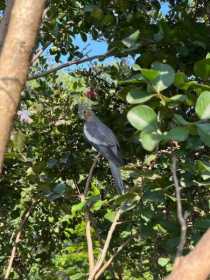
column 102, row 138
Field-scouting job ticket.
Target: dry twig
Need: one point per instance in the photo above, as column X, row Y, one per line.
column 110, row 260
column 24, row 220
column 182, row 218
column 87, row 216
column 106, row 245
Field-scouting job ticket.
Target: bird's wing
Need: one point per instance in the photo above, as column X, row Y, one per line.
column 99, row 134
column 104, row 140
column 110, row 154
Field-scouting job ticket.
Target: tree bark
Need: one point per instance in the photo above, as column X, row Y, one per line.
column 196, row 265
column 15, row 60
column 5, row 21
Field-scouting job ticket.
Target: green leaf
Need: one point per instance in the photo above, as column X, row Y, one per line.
column 142, row 116
column 202, row 106
column 180, row 120
column 163, row 261
column 180, row 79
column 178, row 133
column 135, row 79
column 97, row 13
column 110, row 215
column 204, row 132
column 18, row 140
column 166, row 76
column 202, row 69
column 178, row 98
column 97, row 206
column 77, row 276
column 202, row 224
column 59, row 188
column 136, row 67
column 149, row 140
column 77, row 207
column 131, row 40
column 203, row 168
column 150, row 74
column 137, row 95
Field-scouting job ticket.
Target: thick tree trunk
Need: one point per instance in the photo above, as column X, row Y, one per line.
column 15, row 59
column 196, row 265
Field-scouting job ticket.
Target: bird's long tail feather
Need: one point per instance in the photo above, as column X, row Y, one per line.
column 117, row 177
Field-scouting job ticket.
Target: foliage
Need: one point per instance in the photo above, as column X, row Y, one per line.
column 156, row 105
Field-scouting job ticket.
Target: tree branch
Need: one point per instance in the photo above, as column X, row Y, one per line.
column 89, row 243
column 39, row 53
column 24, row 220
column 90, row 175
column 70, row 63
column 91, row 260
column 196, row 265
column 182, row 218
column 106, row 245
column 108, row 263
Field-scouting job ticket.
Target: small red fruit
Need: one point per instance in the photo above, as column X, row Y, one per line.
column 90, row 93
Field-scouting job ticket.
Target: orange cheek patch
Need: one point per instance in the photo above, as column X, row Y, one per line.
column 88, row 114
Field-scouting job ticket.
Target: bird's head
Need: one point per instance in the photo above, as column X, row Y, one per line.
column 85, row 112
column 88, row 114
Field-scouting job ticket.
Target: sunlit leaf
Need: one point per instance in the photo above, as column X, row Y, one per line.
column 149, row 140
column 202, row 106
column 166, row 76
column 132, row 39
column 142, row 116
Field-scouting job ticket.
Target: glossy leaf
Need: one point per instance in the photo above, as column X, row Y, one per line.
column 202, row 106
column 202, row 69
column 142, row 117
column 178, row 133
column 204, row 133
column 150, row 74
column 132, row 39
column 137, row 95
column 149, row 140
column 180, row 79
column 165, row 78
column 163, row 261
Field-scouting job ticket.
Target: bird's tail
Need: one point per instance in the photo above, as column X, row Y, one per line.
column 117, row 177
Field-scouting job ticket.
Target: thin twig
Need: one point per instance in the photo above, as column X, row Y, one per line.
column 70, row 63
column 91, row 260
column 39, row 53
column 182, row 218
column 17, row 239
column 89, row 243
column 106, row 245
column 90, row 175
column 77, row 188
column 110, row 260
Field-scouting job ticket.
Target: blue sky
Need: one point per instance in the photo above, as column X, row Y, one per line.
column 97, row 47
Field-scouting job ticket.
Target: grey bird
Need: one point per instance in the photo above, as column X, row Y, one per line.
column 102, row 138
